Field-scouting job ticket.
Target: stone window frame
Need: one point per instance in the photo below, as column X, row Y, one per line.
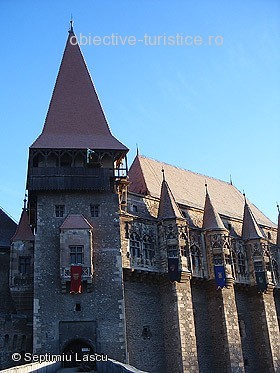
column 95, row 210
column 73, row 252
column 196, row 258
column 241, row 264
column 148, row 247
column 24, row 264
column 258, row 266
column 142, row 248
column 135, row 245
column 59, row 211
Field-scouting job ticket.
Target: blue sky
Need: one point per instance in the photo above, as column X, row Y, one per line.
column 212, row 109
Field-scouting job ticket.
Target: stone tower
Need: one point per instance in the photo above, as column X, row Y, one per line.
column 74, row 170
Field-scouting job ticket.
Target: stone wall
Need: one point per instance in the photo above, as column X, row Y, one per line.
column 105, row 304
column 144, row 325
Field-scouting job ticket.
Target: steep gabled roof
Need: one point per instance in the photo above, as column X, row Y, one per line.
column 250, row 228
column 188, row 188
column 23, row 232
column 75, row 222
column 168, row 207
column 75, row 118
column 211, row 219
column 7, row 229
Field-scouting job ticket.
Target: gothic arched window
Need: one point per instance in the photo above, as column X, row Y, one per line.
column 135, row 245
column 195, row 258
column 241, row 264
column 148, row 248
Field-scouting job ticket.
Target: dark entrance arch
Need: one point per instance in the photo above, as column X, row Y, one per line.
column 75, row 353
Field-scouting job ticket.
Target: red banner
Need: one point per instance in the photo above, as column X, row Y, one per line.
column 76, row 279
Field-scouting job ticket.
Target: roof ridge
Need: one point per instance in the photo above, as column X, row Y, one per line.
column 185, row 169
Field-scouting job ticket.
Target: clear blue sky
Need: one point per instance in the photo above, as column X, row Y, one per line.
column 211, row 109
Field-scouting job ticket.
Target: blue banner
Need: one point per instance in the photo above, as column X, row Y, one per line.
column 220, row 276
column 173, row 269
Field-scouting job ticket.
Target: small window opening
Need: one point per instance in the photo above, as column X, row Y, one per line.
column 146, row 332
column 59, row 211
column 95, row 211
column 78, row 307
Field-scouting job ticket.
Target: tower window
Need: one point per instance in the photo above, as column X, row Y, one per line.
column 94, row 211
column 24, row 265
column 241, row 264
column 76, row 254
column 148, row 248
column 135, row 245
column 6, row 340
column 134, row 208
column 78, row 307
column 258, row 266
column 172, row 251
column 59, row 211
column 195, row 258
column 15, row 342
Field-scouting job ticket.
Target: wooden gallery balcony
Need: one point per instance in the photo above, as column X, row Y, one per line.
column 70, row 178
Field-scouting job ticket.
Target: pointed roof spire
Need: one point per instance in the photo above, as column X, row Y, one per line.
column 23, row 231
column 211, row 219
column 278, row 228
column 75, row 119
column 250, row 227
column 168, row 208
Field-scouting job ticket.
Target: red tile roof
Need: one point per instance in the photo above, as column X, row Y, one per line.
column 168, row 207
column 188, row 188
column 211, row 219
column 23, row 232
column 75, row 222
column 250, row 228
column 75, row 119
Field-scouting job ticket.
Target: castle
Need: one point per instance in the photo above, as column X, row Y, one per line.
column 166, row 269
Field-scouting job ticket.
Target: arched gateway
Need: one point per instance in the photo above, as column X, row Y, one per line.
column 77, row 352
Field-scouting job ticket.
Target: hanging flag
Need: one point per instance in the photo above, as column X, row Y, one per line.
column 261, row 281
column 220, row 276
column 76, row 279
column 173, row 269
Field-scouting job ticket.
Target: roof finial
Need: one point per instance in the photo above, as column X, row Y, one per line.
column 206, row 187
column 24, row 201
column 137, row 149
column 277, row 204
column 163, row 175
column 230, row 179
column 71, row 24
